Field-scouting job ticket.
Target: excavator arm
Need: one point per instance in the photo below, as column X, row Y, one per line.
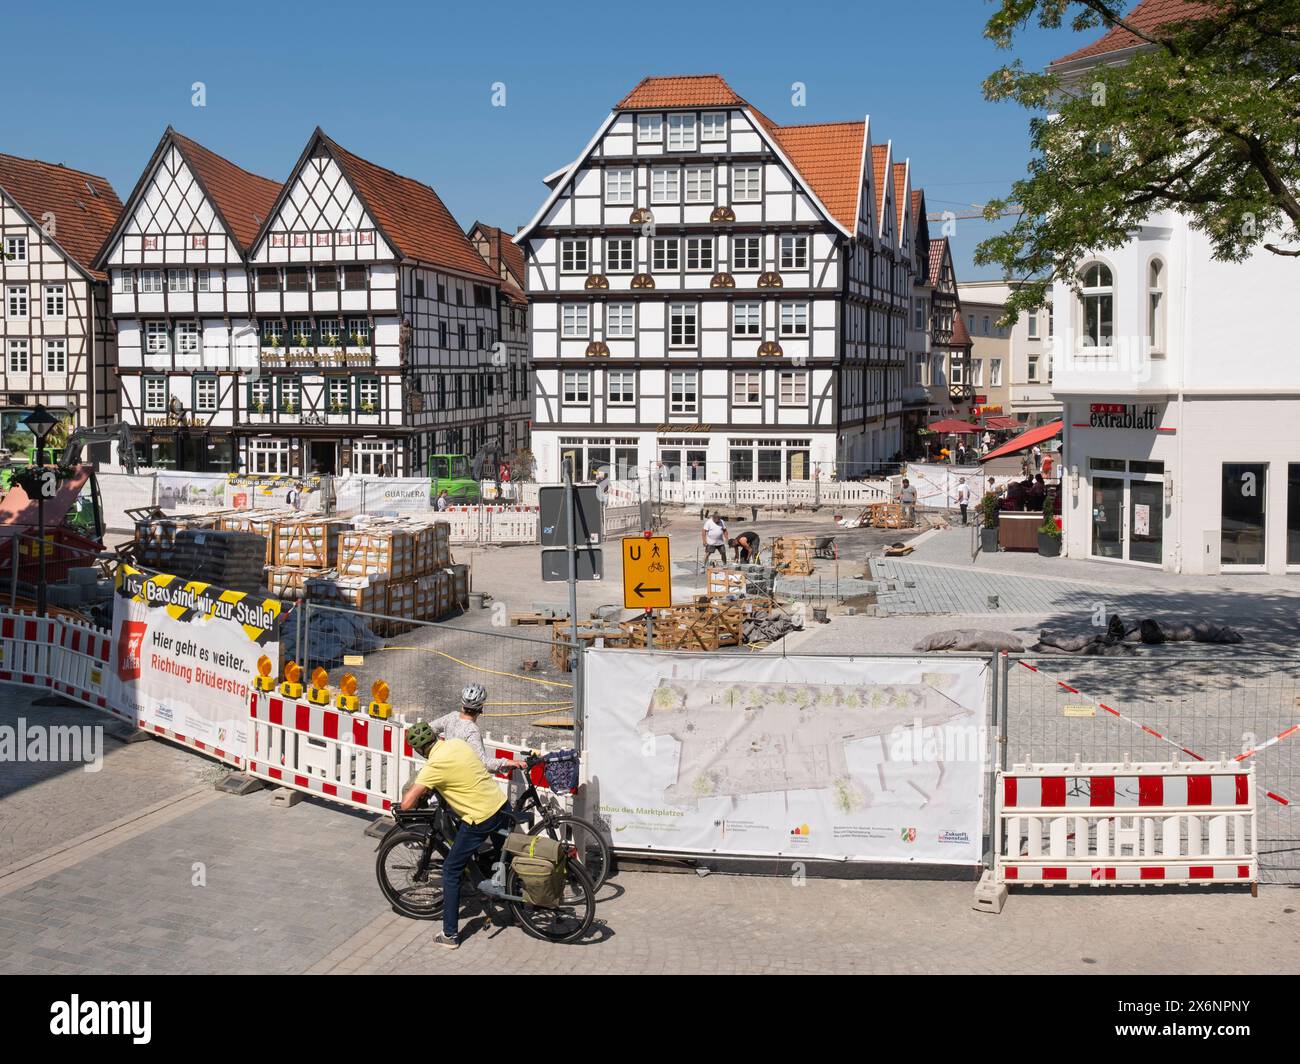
column 120, row 432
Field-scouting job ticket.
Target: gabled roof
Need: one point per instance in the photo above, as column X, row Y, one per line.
column 829, row 157
column 682, row 90
column 1148, row 16
column 938, row 253
column 411, row 216
column 241, row 198
column 960, row 334
column 503, row 251
column 879, row 166
column 900, row 194
column 84, row 206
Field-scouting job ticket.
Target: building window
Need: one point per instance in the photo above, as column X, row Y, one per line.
column 649, row 129
column 295, row 279
column 300, row 332
column 1032, row 370
column 620, row 321
column 699, row 184
column 155, row 394
column 573, row 256
column 267, row 281
column 187, row 337
column 793, row 388
column 460, row 337
column 713, row 126
column 1097, row 301
column 977, row 373
column 794, row 253
column 683, row 325
column 619, row 255
column 178, row 280
column 619, row 187
column 155, row 338
column 18, row 302
column 290, row 395
column 330, row 331
column 442, row 334
column 204, row 278
column 327, row 280
column 995, row 373
column 665, row 185
column 339, row 394
column 354, row 278
column 746, row 388
column 1033, row 325
column 665, row 255
column 369, row 457
column 576, row 320
column 16, row 248
column 746, row 184
column 123, row 281
column 577, row 387
column 268, row 456
column 746, row 319
column 683, row 394
column 681, row 132
column 622, row 388
column 986, row 325
column 746, row 253
column 1243, row 513
column 259, row 395
column 151, row 281
column 55, row 301
column 1156, row 305
column 794, row 319
column 19, row 356
column 205, row 394
column 56, row 356
column 699, row 253
column 368, row 395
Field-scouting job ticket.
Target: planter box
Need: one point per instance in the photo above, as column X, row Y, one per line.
column 1049, row 546
column 989, row 540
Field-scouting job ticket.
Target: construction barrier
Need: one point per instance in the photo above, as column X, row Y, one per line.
column 58, row 654
column 1116, row 824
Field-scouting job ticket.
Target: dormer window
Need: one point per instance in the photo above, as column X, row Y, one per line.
column 649, row 129
column 713, row 126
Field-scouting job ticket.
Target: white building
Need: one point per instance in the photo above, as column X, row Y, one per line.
column 56, row 345
column 717, row 292
column 1180, row 391
column 338, row 322
column 1011, row 365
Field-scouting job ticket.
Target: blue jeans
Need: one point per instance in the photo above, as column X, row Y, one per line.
column 469, row 837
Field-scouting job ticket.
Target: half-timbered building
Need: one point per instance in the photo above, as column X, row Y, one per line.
column 719, row 293
column 56, row 344
column 510, row 395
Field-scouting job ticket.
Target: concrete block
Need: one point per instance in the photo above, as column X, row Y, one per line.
column 285, row 797
column 239, row 783
column 990, row 895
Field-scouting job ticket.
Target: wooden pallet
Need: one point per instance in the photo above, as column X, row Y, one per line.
column 886, row 515
column 793, row 555
column 383, row 550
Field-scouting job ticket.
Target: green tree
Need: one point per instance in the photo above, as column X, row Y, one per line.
column 1202, row 119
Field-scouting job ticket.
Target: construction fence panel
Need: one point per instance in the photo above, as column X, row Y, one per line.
column 119, row 492
column 1191, row 706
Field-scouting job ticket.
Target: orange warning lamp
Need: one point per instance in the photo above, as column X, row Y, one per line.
column 264, row 680
column 318, row 693
column 379, row 705
column 292, row 685
column 347, row 699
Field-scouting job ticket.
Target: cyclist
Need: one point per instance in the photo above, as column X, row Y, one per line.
column 463, row 724
column 453, row 770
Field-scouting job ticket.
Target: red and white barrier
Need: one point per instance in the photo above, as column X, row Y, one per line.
column 1113, row 824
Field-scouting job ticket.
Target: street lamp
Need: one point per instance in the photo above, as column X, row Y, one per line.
column 40, row 423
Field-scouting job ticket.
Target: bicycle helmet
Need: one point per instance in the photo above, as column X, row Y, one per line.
column 473, row 697
column 419, row 735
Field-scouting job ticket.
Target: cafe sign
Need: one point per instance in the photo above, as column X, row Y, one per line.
column 1122, row 416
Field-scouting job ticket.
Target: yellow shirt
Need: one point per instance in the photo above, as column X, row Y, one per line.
column 456, row 773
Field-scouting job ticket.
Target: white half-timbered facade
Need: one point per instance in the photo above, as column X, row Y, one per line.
column 510, row 393
column 56, row 345
column 720, row 294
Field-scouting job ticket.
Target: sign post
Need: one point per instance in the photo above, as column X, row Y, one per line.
column 647, row 574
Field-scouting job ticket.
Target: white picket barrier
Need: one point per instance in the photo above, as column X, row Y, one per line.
column 80, row 664
column 27, row 648
column 1117, row 824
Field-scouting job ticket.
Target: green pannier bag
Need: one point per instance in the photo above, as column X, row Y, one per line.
column 539, row 861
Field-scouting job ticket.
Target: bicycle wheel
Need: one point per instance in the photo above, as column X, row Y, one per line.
column 583, row 840
column 411, row 890
column 570, row 920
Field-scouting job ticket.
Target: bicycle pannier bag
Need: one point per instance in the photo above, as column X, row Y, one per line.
column 540, row 864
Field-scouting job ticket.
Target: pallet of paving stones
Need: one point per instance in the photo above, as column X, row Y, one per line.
column 261, row 522
column 286, row 582
column 231, row 560
column 309, row 542
column 384, row 550
column 698, row 626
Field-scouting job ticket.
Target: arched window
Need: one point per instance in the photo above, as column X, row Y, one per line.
column 1098, row 304
column 1156, row 305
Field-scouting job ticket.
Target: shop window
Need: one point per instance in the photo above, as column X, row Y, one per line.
column 1243, row 513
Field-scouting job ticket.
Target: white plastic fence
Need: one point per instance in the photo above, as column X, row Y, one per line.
column 1115, row 824
column 57, row 654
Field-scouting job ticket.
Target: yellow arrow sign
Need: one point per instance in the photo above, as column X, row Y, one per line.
column 647, row 573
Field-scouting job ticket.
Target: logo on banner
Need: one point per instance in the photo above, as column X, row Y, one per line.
column 908, row 834
column 959, row 838
column 800, row 833
column 130, row 650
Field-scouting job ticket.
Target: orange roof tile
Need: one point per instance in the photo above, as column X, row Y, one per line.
column 829, row 156
column 900, row 192
column 960, row 334
column 243, row 199
column 879, row 158
column 683, row 90
column 411, row 215
column 84, row 206
column 938, row 252
column 501, row 247
column 1148, row 16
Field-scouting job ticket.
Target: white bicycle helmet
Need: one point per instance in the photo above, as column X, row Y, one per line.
column 473, row 697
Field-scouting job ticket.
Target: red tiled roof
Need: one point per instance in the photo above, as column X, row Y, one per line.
column 960, row 334
column 1148, row 16
column 879, row 161
column 84, row 206
column 411, row 215
column 683, row 90
column 243, row 199
column 938, row 251
column 501, row 247
column 900, row 189
column 829, row 156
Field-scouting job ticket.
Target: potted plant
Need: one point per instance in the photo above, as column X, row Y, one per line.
column 338, row 408
column 30, row 477
column 367, row 408
column 1049, row 532
column 990, row 507
column 259, row 406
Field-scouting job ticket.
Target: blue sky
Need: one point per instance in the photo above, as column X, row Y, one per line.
column 408, row 85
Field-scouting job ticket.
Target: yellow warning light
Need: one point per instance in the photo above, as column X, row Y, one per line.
column 379, row 691
column 349, row 684
column 379, row 705
column 319, row 677
column 293, row 672
column 292, row 685
column 264, row 680
column 347, row 699
column 264, row 665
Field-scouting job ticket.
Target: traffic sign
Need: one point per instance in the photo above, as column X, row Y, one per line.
column 589, row 563
column 555, row 517
column 647, row 573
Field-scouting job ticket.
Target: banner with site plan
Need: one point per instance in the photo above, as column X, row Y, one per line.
column 867, row 759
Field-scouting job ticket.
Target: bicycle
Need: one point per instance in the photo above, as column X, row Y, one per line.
column 583, row 839
column 409, row 870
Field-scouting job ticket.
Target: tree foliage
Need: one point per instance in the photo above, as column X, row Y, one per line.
column 1202, row 119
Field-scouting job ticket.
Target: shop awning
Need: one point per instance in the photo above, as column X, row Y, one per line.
column 1001, row 423
column 952, row 425
column 1025, row 440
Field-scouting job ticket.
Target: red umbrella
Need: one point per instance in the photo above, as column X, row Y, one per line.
column 952, row 425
